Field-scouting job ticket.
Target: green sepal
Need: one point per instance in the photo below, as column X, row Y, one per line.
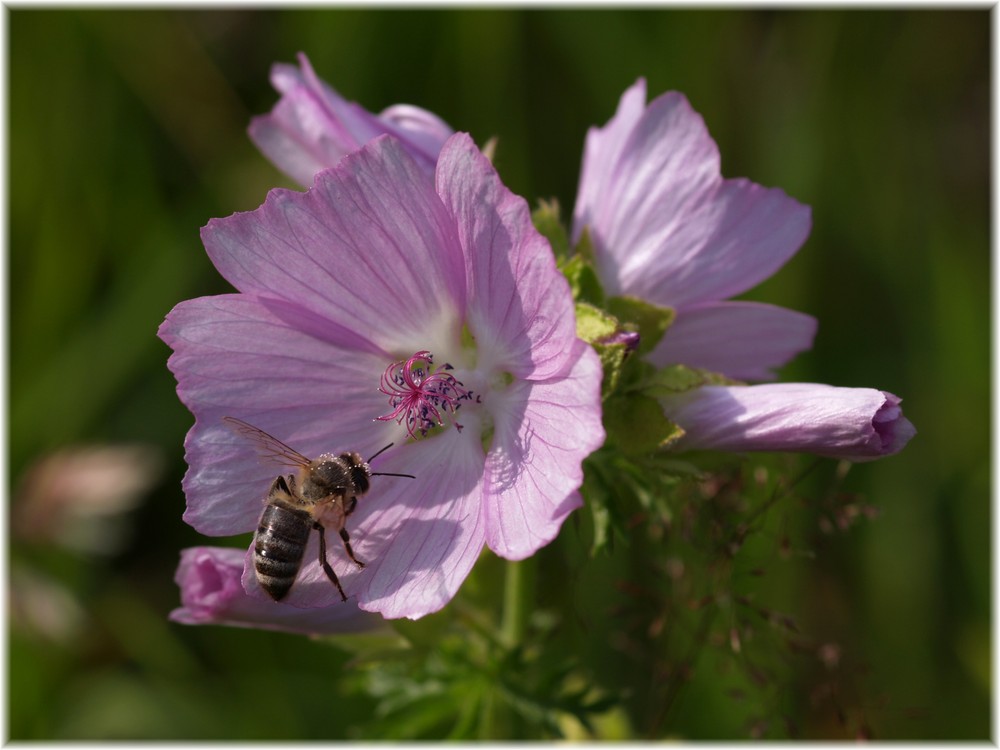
column 595, row 326
column 652, row 321
column 585, row 246
column 674, row 379
column 636, row 425
column 547, row 222
column 583, row 281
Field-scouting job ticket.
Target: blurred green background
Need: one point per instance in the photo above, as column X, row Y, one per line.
column 127, row 134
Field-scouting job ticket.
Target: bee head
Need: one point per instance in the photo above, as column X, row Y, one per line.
column 360, row 473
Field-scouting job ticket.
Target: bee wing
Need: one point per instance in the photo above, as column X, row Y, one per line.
column 268, row 446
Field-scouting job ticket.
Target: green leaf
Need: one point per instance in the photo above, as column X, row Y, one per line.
column 636, row 425
column 604, row 513
column 368, row 647
column 585, row 246
column 547, row 222
column 673, row 379
column 583, row 280
column 423, row 633
column 594, row 326
column 652, row 321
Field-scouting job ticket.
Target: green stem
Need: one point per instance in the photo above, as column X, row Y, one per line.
column 518, row 599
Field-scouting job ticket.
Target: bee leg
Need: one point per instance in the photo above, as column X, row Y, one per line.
column 323, row 561
column 347, row 546
column 351, row 506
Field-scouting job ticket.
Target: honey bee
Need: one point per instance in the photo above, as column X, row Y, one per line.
column 320, row 496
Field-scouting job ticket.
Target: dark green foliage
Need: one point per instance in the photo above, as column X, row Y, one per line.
column 693, row 597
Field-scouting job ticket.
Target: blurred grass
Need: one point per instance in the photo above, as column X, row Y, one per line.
column 126, row 134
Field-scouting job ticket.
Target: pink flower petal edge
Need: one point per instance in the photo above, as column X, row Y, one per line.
column 312, row 127
column 533, row 471
column 666, row 226
column 742, row 340
column 857, row 424
column 211, row 594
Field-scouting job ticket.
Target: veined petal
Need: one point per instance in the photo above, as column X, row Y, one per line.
column 520, row 308
column 858, row 424
column 422, row 130
column 602, row 152
column 312, row 127
column 423, row 542
column 542, row 432
column 742, row 340
column 418, row 538
column 252, row 359
column 370, row 247
column 665, row 226
column 211, row 594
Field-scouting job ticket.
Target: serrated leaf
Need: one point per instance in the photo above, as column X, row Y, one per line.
column 597, row 328
column 612, row 360
column 652, row 321
column 604, row 515
column 637, row 426
column 674, row 379
column 593, row 324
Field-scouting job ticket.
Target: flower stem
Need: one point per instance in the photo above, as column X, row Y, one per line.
column 518, row 597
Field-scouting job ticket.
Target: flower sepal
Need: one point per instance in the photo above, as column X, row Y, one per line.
column 609, row 339
column 625, row 326
column 649, row 320
column 674, row 379
column 550, row 226
column 583, row 281
column 637, row 427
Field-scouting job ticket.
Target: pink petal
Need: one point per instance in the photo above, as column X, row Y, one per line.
column 858, row 424
column 369, row 247
column 312, row 127
column 256, row 360
column 424, row 541
column 602, row 151
column 211, row 594
column 665, row 225
column 520, row 307
column 542, row 432
column 418, row 537
column 742, row 340
column 424, row 132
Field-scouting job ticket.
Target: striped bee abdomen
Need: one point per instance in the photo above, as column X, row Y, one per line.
column 280, row 543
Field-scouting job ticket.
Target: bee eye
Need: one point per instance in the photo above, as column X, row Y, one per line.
column 360, row 477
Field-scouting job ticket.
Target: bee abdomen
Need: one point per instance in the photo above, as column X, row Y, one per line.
column 279, row 546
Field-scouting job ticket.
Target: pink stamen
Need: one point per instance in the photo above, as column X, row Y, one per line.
column 418, row 393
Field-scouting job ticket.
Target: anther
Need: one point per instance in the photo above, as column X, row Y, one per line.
column 419, row 394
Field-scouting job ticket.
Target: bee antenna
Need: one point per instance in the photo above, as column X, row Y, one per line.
column 385, row 473
column 379, row 453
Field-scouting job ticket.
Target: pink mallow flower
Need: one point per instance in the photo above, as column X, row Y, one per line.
column 383, row 306
column 666, row 227
column 312, row 127
column 212, row 594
